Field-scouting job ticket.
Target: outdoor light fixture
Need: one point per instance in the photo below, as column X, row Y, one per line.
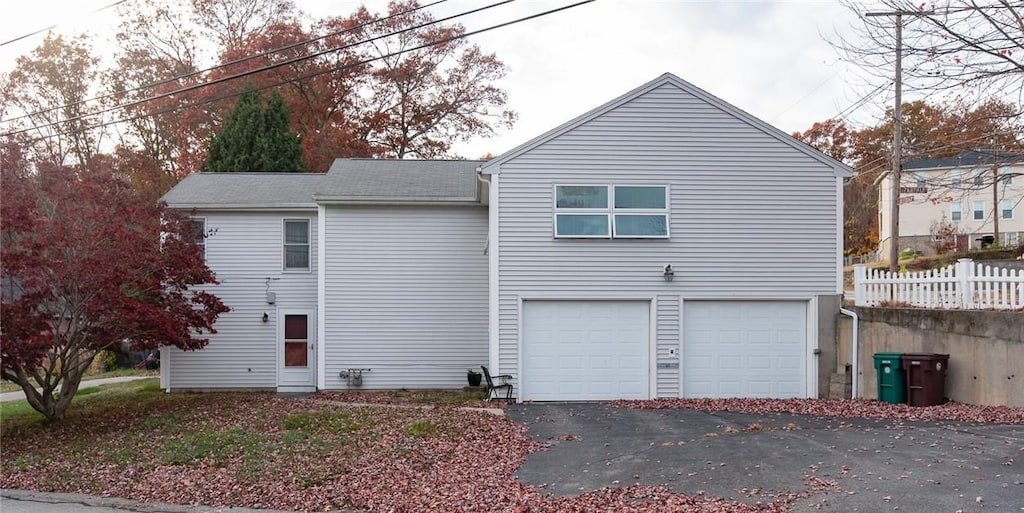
column 266, row 317
column 669, row 273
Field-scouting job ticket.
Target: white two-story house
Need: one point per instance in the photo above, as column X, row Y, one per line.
column 963, row 202
column 664, row 244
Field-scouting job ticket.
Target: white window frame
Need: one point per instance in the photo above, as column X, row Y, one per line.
column 975, row 209
column 610, row 212
column 956, row 179
column 1006, row 176
column 1010, row 239
column 920, row 180
column 308, row 244
column 956, row 212
column 979, row 178
column 202, row 245
column 1005, row 206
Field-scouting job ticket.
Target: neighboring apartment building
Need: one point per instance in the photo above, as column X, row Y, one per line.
column 963, row 201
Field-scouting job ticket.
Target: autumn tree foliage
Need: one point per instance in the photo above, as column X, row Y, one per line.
column 929, row 131
column 255, row 137
column 88, row 264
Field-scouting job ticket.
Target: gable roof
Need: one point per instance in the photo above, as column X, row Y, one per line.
column 400, row 181
column 967, row 158
column 244, row 190
column 668, row 78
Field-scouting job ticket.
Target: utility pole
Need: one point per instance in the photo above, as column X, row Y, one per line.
column 897, row 139
column 995, row 199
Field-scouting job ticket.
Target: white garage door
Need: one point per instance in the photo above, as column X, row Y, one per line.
column 744, row 349
column 585, row 350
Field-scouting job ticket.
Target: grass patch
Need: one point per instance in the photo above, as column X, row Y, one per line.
column 214, row 447
column 423, row 428
column 7, row 386
column 330, row 421
column 17, row 413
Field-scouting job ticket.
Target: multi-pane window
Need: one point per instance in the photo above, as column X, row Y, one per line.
column 1011, row 239
column 956, row 180
column 296, row 244
column 611, row 211
column 979, row 178
column 919, row 180
column 1007, row 176
column 955, row 212
column 197, row 229
column 979, row 210
column 1006, row 209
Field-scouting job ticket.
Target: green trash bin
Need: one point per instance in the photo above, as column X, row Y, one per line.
column 892, row 379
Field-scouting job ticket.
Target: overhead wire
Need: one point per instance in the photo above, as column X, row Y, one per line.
column 331, row 69
column 55, row 25
column 243, row 74
column 223, row 64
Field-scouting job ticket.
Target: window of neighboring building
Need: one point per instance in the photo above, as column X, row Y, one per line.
column 956, row 180
column 296, row 244
column 979, row 178
column 1010, row 239
column 197, row 227
column 955, row 212
column 611, row 211
column 919, row 180
column 979, row 210
column 1006, row 209
column 1007, row 176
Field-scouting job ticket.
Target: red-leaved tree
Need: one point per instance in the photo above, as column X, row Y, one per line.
column 87, row 263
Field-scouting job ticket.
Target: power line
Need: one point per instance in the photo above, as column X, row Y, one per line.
column 40, row 31
column 309, row 75
column 221, row 65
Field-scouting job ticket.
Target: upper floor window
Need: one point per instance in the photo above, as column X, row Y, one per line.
column 197, row 228
column 919, row 180
column 1006, row 175
column 979, row 210
column 296, row 244
column 955, row 212
column 979, row 178
column 956, row 180
column 1006, row 209
column 611, row 211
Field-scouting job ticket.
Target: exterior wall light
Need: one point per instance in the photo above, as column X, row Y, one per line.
column 266, row 317
column 669, row 273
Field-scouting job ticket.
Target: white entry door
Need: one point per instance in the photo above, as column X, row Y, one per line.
column 296, row 350
column 585, row 350
column 745, row 349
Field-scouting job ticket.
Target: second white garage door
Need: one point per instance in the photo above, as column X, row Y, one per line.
column 744, row 349
column 585, row 350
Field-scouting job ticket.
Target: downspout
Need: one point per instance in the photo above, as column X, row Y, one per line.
column 855, row 342
column 480, row 177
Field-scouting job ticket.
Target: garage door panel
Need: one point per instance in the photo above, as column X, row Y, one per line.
column 744, row 349
column 592, row 350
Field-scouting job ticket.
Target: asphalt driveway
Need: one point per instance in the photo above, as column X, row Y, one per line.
column 877, row 465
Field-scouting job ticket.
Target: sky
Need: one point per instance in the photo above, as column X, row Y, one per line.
column 769, row 58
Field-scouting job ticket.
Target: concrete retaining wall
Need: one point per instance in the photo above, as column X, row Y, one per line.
column 986, row 349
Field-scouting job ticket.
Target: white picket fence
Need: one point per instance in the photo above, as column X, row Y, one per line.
column 964, row 285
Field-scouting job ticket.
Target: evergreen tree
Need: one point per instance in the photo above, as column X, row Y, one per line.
column 255, row 138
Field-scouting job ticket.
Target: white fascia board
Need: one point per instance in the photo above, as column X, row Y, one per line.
column 493, row 278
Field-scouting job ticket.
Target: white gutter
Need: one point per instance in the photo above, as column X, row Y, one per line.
column 855, row 342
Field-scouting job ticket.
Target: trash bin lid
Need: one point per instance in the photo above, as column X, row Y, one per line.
column 925, row 356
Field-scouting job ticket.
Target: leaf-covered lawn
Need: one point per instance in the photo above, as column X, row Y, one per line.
column 260, row 450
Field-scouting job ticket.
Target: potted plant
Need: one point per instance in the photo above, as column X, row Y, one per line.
column 473, row 377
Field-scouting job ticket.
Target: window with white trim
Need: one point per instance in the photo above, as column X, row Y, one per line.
column 955, row 212
column 1010, row 239
column 979, row 178
column 611, row 211
column 296, row 245
column 979, row 210
column 1006, row 209
column 1007, row 176
column 197, row 229
column 956, row 179
column 920, row 180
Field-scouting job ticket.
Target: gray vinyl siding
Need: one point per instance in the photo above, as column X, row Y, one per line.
column 244, row 250
column 750, row 217
column 405, row 294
